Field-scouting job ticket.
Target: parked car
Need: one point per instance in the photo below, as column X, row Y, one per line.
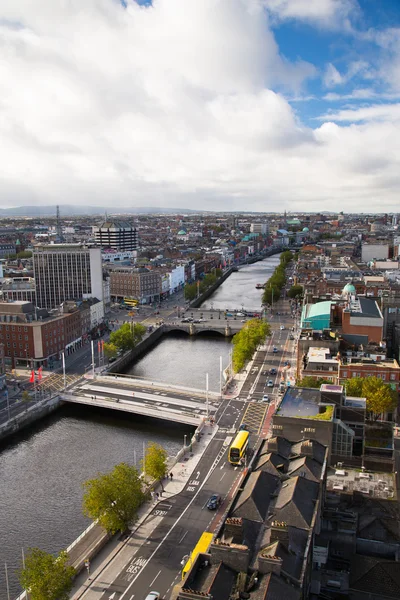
column 214, row 502
column 291, row 336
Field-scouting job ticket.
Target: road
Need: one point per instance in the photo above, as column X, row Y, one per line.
column 155, row 555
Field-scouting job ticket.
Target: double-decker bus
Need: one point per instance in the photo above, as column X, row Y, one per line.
column 238, row 447
column 131, row 302
column 202, row 546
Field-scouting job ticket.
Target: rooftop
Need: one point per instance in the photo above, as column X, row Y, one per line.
column 372, row 484
column 317, row 355
column 303, row 403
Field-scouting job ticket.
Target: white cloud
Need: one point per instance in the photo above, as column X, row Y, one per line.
column 173, row 104
column 332, row 77
column 377, row 112
column 326, row 13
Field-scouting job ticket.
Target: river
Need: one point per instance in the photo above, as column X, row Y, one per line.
column 42, row 469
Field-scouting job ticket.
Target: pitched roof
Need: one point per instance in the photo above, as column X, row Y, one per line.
column 295, row 502
column 305, row 466
column 272, row 587
column 280, row 445
column 272, row 463
column 375, row 576
column 311, row 448
column 255, row 498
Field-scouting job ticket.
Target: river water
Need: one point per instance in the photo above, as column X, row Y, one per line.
column 42, row 469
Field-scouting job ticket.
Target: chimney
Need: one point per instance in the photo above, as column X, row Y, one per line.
column 279, row 532
column 233, row 528
column 267, row 563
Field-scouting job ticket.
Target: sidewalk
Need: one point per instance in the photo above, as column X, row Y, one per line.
column 108, row 562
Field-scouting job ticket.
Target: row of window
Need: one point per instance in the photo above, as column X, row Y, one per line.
column 382, row 376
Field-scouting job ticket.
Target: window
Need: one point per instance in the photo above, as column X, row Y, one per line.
column 383, row 376
column 354, row 374
column 392, row 377
column 344, row 374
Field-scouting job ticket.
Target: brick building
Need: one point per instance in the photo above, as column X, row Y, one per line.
column 2, row 368
column 138, row 283
column 34, row 337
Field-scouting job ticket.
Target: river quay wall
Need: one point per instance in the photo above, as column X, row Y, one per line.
column 30, row 415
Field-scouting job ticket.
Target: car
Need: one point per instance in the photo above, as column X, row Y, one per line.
column 243, row 427
column 270, row 383
column 287, row 363
column 153, row 596
column 275, row 350
column 265, row 398
column 273, row 371
column 282, row 327
column 214, row 502
column 291, row 336
column 243, row 321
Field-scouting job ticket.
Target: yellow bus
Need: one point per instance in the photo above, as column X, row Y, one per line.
column 202, row 546
column 130, row 302
column 238, row 447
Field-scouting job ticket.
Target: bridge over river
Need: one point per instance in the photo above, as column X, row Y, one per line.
column 152, row 399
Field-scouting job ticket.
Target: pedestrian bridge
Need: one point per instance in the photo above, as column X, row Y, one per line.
column 180, row 406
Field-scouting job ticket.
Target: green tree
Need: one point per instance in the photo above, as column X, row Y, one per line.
column 155, row 461
column 138, row 332
column 45, row 576
column 114, row 498
column 190, row 291
column 380, row 396
column 295, row 291
column 123, row 338
column 311, row 382
column 246, row 341
column 110, row 350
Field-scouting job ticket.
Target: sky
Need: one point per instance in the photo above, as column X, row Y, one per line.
column 256, row 105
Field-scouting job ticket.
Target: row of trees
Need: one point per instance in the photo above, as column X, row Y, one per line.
column 379, row 395
column 246, row 341
column 276, row 282
column 22, row 254
column 202, row 285
column 113, row 499
column 125, row 338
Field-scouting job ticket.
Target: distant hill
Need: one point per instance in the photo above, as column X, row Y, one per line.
column 67, row 210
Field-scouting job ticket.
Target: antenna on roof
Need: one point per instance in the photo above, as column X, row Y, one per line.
column 59, row 236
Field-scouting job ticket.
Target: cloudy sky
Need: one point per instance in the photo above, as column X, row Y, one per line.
column 208, row 104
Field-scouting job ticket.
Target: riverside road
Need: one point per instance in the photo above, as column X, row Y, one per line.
column 177, row 525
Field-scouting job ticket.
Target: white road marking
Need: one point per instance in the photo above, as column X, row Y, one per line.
column 155, row 578
column 183, row 537
column 223, row 475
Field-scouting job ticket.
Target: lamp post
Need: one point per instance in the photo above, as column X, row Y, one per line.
column 207, row 411
column 184, row 441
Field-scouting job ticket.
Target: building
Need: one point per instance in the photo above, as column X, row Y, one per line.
column 362, row 317
column 35, row 337
column 7, row 249
column 118, row 235
column 138, row 283
column 3, row 383
column 19, row 288
column 67, row 272
column 388, row 369
column 259, row 227
column 113, row 256
column 316, row 316
column 374, row 251
column 337, row 421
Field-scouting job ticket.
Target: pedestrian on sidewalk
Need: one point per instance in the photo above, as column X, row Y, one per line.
column 171, row 475
column 157, row 496
column 152, row 496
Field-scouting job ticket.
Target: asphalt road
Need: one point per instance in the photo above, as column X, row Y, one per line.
column 179, row 521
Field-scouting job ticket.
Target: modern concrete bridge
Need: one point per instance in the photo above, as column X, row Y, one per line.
column 181, row 405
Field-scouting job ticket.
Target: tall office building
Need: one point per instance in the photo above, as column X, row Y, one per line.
column 66, row 272
column 116, row 235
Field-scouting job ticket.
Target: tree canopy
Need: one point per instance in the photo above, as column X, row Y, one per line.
column 114, row 498
column 295, row 291
column 110, row 350
column 246, row 341
column 311, row 382
column 155, row 461
column 276, row 282
column 380, row 396
column 127, row 336
column 47, row 577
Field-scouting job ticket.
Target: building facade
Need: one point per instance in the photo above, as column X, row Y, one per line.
column 66, row 272
column 140, row 284
column 19, row 288
column 116, row 235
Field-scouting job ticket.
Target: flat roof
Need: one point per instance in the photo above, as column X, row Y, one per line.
column 300, row 402
column 320, row 355
column 372, row 484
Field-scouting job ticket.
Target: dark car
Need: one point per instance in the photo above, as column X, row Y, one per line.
column 214, row 502
column 273, row 371
column 287, row 363
column 243, row 427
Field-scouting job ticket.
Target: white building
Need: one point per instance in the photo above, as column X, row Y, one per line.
column 176, row 278
column 66, row 272
column 259, row 227
column 374, row 251
column 96, row 314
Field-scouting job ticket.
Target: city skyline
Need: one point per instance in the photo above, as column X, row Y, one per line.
column 261, row 105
